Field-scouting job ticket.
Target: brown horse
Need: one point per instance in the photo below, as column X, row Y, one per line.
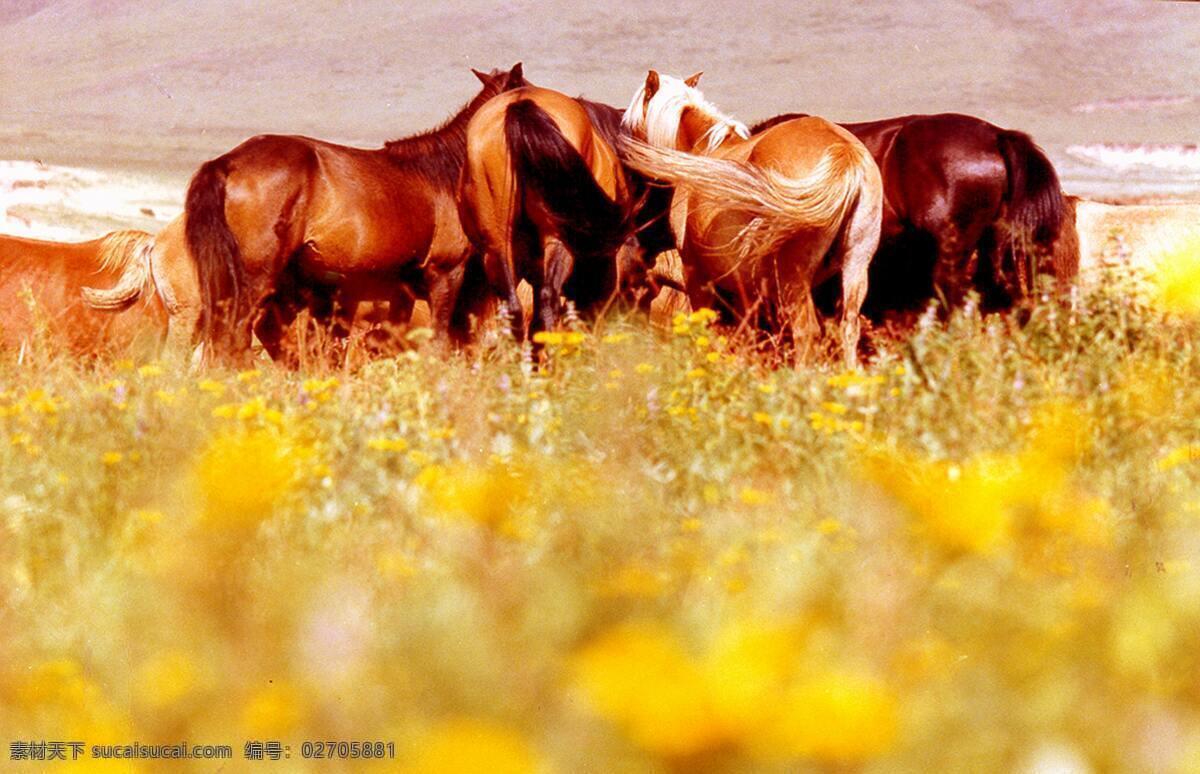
column 45, row 288
column 761, row 220
column 289, row 221
column 544, row 198
column 956, row 187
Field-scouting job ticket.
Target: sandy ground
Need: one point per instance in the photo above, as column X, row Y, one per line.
column 1140, row 232
column 75, row 203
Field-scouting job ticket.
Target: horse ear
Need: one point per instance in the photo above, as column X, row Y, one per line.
column 651, row 83
column 692, row 80
column 484, row 78
column 516, row 74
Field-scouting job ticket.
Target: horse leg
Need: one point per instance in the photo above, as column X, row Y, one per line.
column 801, row 314
column 472, row 299
column 858, row 243
column 952, row 271
column 557, row 264
column 272, row 326
column 445, row 285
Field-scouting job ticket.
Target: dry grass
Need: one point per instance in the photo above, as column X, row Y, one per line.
column 658, row 552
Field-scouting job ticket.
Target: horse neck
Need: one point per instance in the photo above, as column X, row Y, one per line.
column 694, row 127
column 441, row 151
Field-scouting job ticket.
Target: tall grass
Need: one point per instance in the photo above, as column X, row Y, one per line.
column 658, row 551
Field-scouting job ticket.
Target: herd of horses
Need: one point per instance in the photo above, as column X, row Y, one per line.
column 776, row 225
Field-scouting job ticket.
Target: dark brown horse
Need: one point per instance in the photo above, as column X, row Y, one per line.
column 544, row 198
column 53, row 288
column 957, row 187
column 284, row 222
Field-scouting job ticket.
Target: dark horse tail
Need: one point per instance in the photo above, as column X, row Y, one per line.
column 219, row 267
column 1036, row 207
column 589, row 222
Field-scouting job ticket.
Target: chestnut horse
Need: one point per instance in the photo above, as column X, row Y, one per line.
column 761, row 220
column 290, row 220
column 956, row 186
column 544, row 198
column 45, row 288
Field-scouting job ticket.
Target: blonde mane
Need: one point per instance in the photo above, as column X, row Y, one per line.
column 660, row 123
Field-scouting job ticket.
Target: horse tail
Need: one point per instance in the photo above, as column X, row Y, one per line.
column 589, row 222
column 1036, row 210
column 778, row 206
column 220, row 269
column 128, row 252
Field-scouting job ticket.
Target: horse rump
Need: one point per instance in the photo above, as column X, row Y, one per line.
column 589, row 222
column 1036, row 207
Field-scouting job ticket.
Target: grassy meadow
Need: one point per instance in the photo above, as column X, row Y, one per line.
column 658, row 551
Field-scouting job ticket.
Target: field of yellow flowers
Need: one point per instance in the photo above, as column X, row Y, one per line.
column 657, row 551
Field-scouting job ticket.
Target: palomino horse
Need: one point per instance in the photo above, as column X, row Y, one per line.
column 292, row 219
column 955, row 186
column 761, row 220
column 544, row 198
column 45, row 289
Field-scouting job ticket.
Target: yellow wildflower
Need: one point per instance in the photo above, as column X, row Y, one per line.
column 1176, row 277
column 751, row 496
column 1179, row 455
column 490, row 496
column 112, row 458
column 212, row 387
column 639, row 677
column 387, row 444
column 828, row 526
column 242, row 474
column 150, row 370
column 834, row 716
column 469, row 746
column 165, row 679
column 273, row 712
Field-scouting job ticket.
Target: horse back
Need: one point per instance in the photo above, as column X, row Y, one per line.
column 938, row 169
column 41, row 284
column 792, row 146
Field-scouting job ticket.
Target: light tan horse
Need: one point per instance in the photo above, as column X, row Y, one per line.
column 87, row 298
column 760, row 221
column 544, row 198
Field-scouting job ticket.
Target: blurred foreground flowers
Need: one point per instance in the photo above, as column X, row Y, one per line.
column 657, row 550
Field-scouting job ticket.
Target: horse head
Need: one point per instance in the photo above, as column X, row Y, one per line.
column 662, row 110
column 498, row 81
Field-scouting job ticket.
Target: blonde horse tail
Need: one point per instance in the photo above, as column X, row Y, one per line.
column 127, row 252
column 778, row 206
